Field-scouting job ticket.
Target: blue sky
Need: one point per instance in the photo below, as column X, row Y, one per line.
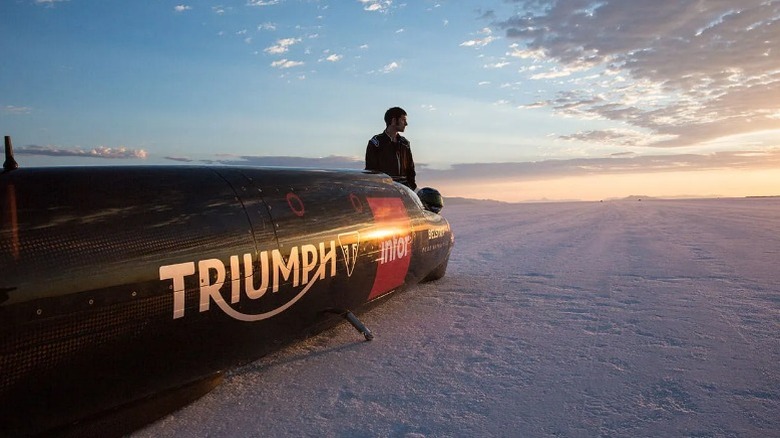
column 511, row 100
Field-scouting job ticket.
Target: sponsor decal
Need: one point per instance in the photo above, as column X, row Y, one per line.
column 395, row 249
column 305, row 265
column 435, row 240
column 350, row 245
column 434, row 233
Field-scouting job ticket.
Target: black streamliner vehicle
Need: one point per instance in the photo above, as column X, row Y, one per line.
column 126, row 291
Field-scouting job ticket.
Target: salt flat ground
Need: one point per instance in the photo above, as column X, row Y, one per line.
column 622, row 318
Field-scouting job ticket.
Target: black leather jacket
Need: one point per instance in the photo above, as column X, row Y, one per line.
column 394, row 159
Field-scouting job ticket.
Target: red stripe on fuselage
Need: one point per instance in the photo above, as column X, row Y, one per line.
column 395, row 248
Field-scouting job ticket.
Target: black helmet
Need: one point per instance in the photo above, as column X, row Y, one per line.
column 431, row 199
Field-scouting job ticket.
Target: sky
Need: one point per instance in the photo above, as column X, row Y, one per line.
column 514, row 100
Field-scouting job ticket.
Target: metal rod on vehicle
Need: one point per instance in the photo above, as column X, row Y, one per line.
column 10, row 163
column 349, row 316
column 359, row 326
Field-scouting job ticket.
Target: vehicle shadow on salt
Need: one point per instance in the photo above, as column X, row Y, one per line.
column 322, row 344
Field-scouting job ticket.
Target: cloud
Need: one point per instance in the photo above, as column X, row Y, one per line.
column 262, row 2
column 49, row 3
column 518, row 52
column 284, row 63
column 487, row 14
column 180, row 159
column 617, row 137
column 182, row 8
column 688, row 72
column 480, row 42
column 617, row 164
column 329, row 162
column 495, row 65
column 282, row 46
column 334, row 58
column 98, row 152
column 390, row 67
column 15, row 110
column 556, row 72
column 376, row 5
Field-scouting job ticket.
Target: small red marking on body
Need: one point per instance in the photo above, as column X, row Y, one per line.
column 295, row 203
column 356, row 204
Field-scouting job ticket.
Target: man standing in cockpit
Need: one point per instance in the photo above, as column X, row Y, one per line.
column 391, row 153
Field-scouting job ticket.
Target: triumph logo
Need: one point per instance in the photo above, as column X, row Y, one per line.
column 350, row 245
column 305, row 265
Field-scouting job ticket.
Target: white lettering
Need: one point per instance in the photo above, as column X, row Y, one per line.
column 393, row 249
column 286, row 269
column 308, row 261
column 435, row 234
column 208, row 289
column 235, row 280
column 177, row 274
column 305, row 265
column 249, row 281
column 330, row 256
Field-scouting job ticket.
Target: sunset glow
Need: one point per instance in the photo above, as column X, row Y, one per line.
column 510, row 100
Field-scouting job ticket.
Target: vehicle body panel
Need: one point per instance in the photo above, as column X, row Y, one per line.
column 119, row 282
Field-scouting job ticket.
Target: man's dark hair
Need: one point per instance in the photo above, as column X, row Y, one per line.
column 393, row 113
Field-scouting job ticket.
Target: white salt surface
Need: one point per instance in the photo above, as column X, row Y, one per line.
column 621, row 318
